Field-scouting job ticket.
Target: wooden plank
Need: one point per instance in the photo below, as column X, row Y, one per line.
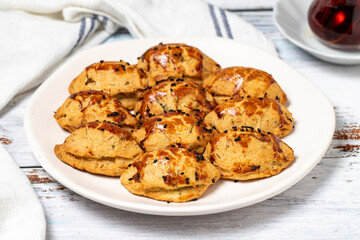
column 314, row 208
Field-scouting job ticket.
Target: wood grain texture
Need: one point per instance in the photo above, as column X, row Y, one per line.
column 312, row 209
column 323, row 205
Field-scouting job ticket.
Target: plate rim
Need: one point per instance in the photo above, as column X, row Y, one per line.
column 160, row 210
column 308, row 48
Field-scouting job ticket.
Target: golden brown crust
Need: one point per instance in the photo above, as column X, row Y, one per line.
column 88, row 106
column 170, row 174
column 172, row 128
column 242, row 81
column 247, row 154
column 174, row 95
column 166, row 61
column 99, row 147
column 111, row 77
column 266, row 114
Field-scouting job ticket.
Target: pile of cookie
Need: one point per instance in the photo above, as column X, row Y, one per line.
column 175, row 123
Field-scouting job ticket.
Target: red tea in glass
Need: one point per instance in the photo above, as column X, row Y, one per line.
column 336, row 22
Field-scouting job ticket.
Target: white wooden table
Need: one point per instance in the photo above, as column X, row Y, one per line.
column 324, row 205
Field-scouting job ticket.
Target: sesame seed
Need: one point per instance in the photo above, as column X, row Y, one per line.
column 165, row 125
column 173, row 84
column 101, row 61
column 130, row 165
column 196, row 176
column 187, row 180
column 155, row 161
column 182, row 173
column 248, row 96
column 159, row 120
column 237, row 139
column 164, row 178
column 225, row 131
column 167, row 158
column 198, row 138
column 130, row 179
column 235, row 181
column 253, row 168
column 173, row 145
column 213, row 180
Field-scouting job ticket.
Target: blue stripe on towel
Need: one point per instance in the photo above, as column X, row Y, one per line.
column 91, row 26
column 226, row 23
column 81, row 33
column 216, row 24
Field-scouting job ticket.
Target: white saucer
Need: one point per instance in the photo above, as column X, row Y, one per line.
column 290, row 17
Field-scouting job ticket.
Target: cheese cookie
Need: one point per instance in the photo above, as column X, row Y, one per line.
column 173, row 128
column 174, row 95
column 89, row 106
column 242, row 81
column 266, row 114
column 170, row 174
column 118, row 79
column 99, row 147
column 246, row 154
column 166, row 61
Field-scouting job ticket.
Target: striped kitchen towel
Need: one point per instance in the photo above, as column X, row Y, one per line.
column 37, row 35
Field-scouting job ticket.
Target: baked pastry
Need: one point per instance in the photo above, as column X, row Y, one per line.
column 166, row 61
column 174, row 95
column 99, row 147
column 170, row 174
column 242, row 81
column 115, row 78
column 89, row 106
column 173, row 128
column 266, row 114
column 246, row 154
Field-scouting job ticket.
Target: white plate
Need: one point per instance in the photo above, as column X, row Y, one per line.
column 290, row 17
column 313, row 113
